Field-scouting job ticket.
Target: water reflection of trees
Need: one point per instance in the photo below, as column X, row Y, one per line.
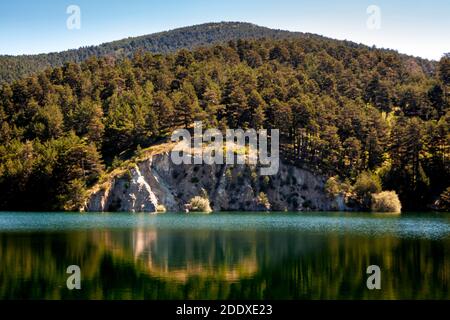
column 176, row 264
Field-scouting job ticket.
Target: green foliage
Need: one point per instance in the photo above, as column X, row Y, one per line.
column 15, row 67
column 265, row 182
column 342, row 109
column 138, row 151
column 333, row 187
column 444, row 69
column 229, row 174
column 116, row 163
column 366, row 184
column 47, row 176
column 73, row 199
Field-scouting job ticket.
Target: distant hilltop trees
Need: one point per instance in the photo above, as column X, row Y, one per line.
column 15, row 67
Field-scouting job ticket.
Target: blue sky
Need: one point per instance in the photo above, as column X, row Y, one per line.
column 420, row 28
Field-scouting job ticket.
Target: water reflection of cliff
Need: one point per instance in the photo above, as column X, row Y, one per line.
column 207, row 264
column 180, row 255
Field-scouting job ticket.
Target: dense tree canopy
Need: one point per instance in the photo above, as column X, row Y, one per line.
column 15, row 67
column 341, row 110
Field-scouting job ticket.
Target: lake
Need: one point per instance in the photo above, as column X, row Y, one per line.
column 224, row 255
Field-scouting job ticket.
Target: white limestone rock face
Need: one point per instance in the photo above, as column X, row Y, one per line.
column 158, row 181
column 129, row 193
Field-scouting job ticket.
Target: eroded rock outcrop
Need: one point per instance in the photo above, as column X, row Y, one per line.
column 156, row 180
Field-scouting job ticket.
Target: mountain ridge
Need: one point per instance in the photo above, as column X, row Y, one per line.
column 13, row 67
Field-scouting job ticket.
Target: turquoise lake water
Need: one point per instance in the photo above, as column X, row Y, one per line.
column 224, row 255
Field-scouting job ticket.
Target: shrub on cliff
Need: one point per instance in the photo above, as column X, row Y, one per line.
column 386, row 201
column 161, row 208
column 443, row 203
column 334, row 187
column 200, row 204
column 263, row 201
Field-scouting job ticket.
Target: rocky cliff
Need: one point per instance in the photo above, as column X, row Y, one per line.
column 155, row 180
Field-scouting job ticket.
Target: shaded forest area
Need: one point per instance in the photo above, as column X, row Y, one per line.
column 343, row 110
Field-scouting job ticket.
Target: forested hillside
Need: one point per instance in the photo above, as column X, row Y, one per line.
column 15, row 67
column 344, row 111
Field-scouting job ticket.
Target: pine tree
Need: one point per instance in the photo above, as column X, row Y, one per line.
column 444, row 74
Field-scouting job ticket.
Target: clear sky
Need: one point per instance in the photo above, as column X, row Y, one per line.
column 420, row 28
